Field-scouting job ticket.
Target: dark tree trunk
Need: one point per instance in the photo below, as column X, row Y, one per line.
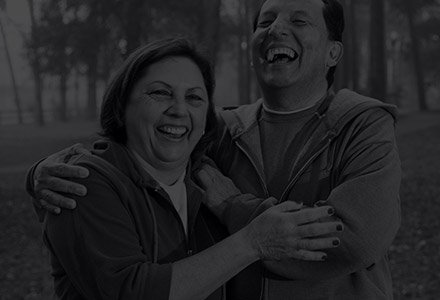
column 12, row 74
column 63, row 96
column 378, row 73
column 92, row 78
column 354, row 45
column 36, row 66
column 208, row 30
column 415, row 52
column 244, row 57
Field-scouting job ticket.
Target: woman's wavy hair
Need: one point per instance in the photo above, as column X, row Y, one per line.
column 117, row 94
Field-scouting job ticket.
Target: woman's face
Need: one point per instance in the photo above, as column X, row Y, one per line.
column 166, row 112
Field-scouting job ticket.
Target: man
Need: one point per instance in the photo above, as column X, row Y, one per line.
column 303, row 143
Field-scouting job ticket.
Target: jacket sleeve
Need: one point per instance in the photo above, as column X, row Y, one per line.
column 29, row 186
column 98, row 247
column 366, row 199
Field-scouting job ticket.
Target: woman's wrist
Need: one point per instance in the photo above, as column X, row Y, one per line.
column 244, row 241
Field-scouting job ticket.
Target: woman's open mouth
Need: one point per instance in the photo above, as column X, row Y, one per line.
column 173, row 131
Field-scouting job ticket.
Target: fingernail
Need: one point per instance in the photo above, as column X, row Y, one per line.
column 339, row 227
column 335, row 242
column 320, row 203
column 324, row 257
column 81, row 192
column 72, row 204
column 83, row 173
column 330, row 211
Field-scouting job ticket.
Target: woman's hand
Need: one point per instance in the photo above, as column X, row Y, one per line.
column 49, row 180
column 289, row 231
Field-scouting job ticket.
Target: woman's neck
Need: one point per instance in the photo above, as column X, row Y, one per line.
column 167, row 174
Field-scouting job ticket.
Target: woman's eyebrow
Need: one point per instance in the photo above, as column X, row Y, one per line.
column 195, row 88
column 160, row 82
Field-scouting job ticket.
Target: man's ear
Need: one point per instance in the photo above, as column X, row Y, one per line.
column 335, row 53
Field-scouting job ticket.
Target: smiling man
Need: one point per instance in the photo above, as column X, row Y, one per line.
column 301, row 142
column 304, row 143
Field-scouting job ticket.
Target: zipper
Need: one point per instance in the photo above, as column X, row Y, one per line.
column 189, row 251
column 260, row 177
column 308, row 162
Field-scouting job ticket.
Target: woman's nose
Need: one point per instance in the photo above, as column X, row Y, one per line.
column 178, row 108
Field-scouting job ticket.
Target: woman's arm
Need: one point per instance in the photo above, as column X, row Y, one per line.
column 98, row 246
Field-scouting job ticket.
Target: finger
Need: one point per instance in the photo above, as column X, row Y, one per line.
column 55, row 199
column 308, row 215
column 303, row 254
column 79, row 149
column 317, row 229
column 49, row 207
column 288, row 206
column 213, row 172
column 66, row 171
column 63, row 186
column 319, row 243
column 204, row 178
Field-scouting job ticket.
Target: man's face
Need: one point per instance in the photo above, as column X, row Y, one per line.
column 290, row 44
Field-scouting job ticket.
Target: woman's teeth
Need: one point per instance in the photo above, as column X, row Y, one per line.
column 173, row 130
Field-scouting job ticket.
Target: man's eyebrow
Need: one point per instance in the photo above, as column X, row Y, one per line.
column 267, row 14
column 301, row 13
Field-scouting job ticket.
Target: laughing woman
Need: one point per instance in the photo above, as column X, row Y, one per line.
column 142, row 232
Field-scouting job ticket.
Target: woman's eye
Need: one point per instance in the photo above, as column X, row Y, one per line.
column 160, row 93
column 195, row 97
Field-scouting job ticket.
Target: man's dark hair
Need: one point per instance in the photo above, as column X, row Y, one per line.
column 333, row 13
column 118, row 92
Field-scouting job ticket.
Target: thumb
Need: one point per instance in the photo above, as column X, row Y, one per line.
column 78, row 149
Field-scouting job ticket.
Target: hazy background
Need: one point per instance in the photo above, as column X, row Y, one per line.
column 56, row 58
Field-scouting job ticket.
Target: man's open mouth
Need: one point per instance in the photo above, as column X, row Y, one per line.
column 172, row 131
column 280, row 55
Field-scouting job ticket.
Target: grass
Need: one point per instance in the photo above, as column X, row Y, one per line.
column 24, row 264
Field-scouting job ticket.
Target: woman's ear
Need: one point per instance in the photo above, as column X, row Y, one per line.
column 335, row 53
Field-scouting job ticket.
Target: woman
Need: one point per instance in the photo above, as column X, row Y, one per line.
column 141, row 232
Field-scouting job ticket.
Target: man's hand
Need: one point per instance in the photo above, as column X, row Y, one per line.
column 288, row 231
column 218, row 188
column 49, row 180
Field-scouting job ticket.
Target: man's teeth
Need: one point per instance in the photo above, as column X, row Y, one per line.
column 273, row 52
column 173, row 130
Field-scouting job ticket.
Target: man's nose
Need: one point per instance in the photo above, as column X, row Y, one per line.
column 278, row 29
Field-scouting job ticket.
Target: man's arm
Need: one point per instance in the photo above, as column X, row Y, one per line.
column 366, row 200
column 48, row 180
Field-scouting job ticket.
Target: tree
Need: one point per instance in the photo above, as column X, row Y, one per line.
column 34, row 54
column 55, row 38
column 415, row 51
column 378, row 72
column 11, row 69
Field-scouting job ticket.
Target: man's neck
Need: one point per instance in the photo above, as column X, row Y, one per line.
column 292, row 98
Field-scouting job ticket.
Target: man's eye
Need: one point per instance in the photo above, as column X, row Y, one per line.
column 264, row 23
column 299, row 22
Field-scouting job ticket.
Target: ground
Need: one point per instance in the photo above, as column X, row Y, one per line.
column 414, row 256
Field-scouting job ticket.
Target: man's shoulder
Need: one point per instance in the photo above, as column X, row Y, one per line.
column 348, row 106
column 239, row 117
